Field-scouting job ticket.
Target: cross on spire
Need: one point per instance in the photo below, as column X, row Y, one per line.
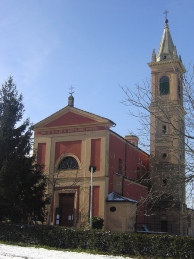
column 166, row 12
column 71, row 90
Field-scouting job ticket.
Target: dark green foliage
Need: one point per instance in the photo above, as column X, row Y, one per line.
column 22, row 187
column 14, row 139
column 115, row 243
column 97, row 223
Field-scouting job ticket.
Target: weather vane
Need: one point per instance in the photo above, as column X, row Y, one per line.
column 71, row 90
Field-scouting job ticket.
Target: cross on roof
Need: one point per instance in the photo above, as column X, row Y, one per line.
column 71, row 90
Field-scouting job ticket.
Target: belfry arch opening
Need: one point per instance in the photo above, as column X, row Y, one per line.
column 164, row 85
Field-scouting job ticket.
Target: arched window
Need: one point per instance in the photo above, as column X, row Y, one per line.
column 164, row 85
column 68, row 163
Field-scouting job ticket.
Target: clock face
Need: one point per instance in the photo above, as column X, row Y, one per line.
column 68, row 163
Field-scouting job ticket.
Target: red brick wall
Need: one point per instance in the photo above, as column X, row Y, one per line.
column 133, row 159
column 73, row 147
column 136, row 160
column 116, row 152
column 134, row 191
column 95, row 153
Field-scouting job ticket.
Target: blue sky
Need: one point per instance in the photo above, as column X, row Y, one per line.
column 93, row 45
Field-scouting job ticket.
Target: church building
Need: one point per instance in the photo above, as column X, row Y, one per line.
column 70, row 141
column 67, row 144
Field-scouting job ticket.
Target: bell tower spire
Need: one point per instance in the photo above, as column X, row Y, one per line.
column 167, row 50
column 167, row 146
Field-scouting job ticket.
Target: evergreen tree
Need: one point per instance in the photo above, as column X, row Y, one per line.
column 22, row 187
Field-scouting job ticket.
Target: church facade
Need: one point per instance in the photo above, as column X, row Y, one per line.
column 67, row 143
column 71, row 140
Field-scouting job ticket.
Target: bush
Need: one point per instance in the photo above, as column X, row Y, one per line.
column 97, row 223
column 115, row 243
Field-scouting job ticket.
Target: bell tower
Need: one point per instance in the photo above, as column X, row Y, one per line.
column 167, row 146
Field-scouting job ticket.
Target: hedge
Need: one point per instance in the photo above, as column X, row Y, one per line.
column 115, row 243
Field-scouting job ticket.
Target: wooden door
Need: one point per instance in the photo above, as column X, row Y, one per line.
column 66, row 205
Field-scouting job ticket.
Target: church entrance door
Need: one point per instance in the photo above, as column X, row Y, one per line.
column 66, row 205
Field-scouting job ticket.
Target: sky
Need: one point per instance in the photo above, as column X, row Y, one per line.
column 95, row 46
column 18, row 252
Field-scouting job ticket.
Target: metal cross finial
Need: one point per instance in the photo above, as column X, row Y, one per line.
column 166, row 12
column 71, row 90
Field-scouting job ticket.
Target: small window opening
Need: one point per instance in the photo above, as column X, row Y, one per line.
column 164, row 155
column 164, row 182
column 113, row 209
column 164, row 129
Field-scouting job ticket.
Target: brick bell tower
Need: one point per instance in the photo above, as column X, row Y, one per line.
column 167, row 145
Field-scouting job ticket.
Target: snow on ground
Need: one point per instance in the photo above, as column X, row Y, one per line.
column 18, row 252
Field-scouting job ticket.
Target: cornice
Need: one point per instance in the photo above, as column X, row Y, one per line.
column 167, row 62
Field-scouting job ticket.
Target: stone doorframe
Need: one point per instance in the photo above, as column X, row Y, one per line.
column 56, row 201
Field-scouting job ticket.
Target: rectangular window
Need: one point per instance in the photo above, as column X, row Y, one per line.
column 164, row 85
column 120, row 166
column 164, row 129
column 164, row 88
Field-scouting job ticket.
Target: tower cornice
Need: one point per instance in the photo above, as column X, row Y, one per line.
column 168, row 62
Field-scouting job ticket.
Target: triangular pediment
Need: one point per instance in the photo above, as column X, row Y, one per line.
column 71, row 116
column 69, row 119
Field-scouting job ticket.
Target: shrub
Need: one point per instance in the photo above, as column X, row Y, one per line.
column 115, row 243
column 97, row 223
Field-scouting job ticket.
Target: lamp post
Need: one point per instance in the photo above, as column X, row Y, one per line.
column 92, row 169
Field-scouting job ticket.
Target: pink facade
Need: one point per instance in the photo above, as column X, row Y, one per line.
column 65, row 147
column 41, row 152
column 87, row 139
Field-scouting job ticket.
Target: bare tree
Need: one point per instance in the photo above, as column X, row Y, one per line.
column 141, row 106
